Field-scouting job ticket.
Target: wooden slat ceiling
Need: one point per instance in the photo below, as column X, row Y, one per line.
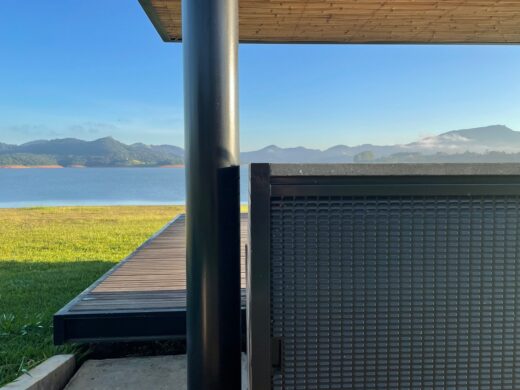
column 360, row 21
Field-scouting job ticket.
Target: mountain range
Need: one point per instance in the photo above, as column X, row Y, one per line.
column 496, row 143
column 475, row 143
column 103, row 152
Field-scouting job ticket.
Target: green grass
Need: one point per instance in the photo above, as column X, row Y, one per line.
column 47, row 257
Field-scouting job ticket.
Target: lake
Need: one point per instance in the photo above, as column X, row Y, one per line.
column 97, row 186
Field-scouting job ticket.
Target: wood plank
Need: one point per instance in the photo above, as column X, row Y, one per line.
column 360, row 21
column 153, row 277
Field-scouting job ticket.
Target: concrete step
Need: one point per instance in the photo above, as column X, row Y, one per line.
column 156, row 372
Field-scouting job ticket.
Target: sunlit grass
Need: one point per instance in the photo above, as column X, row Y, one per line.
column 48, row 256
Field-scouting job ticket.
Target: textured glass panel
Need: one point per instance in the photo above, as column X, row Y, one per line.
column 396, row 292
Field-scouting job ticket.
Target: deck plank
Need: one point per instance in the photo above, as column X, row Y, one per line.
column 160, row 266
column 148, row 284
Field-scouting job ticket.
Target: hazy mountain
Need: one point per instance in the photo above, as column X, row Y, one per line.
column 454, row 145
column 6, row 147
column 157, row 152
column 477, row 140
column 495, row 143
column 168, row 149
column 103, row 152
column 73, row 146
column 275, row 154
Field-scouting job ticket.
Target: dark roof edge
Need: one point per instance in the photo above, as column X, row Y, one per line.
column 154, row 18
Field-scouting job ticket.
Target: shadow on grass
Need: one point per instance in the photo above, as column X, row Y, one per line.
column 30, row 293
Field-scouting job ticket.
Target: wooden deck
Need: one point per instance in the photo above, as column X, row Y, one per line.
column 141, row 298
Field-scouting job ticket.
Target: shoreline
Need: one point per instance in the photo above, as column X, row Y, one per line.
column 30, row 166
column 82, row 166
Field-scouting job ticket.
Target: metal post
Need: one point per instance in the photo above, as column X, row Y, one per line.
column 210, row 39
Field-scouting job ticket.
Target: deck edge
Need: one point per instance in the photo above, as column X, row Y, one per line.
column 59, row 316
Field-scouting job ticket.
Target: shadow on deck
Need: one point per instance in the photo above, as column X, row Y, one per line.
column 141, row 298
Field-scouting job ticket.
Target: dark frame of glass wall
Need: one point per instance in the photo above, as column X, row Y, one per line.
column 274, row 182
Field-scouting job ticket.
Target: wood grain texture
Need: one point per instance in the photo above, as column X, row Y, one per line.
column 152, row 278
column 360, row 21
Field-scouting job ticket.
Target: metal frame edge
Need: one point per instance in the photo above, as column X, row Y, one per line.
column 258, row 286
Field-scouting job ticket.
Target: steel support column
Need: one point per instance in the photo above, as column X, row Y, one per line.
column 210, row 40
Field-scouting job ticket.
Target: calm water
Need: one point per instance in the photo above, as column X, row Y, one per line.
column 96, row 186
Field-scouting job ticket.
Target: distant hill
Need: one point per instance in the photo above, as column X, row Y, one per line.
column 477, row 140
column 103, row 152
column 495, row 143
column 483, row 144
column 6, row 147
column 274, row 154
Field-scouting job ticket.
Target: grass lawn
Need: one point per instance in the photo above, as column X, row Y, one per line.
column 47, row 257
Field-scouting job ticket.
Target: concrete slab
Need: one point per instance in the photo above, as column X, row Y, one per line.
column 52, row 374
column 156, row 372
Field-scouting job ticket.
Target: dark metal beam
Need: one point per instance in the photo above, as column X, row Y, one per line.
column 92, row 327
column 210, row 39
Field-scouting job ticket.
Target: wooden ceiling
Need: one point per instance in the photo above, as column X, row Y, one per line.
column 360, row 21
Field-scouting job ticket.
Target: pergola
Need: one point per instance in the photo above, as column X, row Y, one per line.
column 210, row 31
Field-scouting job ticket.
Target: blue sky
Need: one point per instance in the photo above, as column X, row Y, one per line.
column 89, row 69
